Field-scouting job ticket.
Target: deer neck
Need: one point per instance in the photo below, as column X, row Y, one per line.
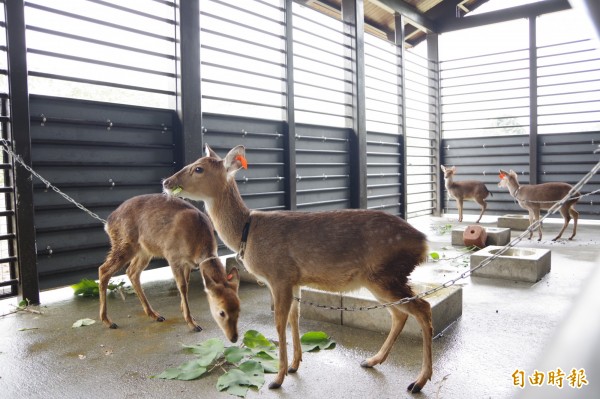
column 449, row 182
column 229, row 214
column 513, row 188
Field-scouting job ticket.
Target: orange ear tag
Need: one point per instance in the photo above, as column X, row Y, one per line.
column 243, row 161
column 501, row 176
column 229, row 277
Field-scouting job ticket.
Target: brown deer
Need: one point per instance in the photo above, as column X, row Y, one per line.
column 333, row 250
column 536, row 197
column 156, row 225
column 465, row 190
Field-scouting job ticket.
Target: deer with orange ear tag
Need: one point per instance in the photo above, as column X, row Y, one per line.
column 333, row 250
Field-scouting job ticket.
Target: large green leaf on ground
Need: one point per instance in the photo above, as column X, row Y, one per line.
column 185, row 372
column 234, row 354
column 316, row 340
column 268, row 360
column 238, row 381
column 255, row 340
column 207, row 351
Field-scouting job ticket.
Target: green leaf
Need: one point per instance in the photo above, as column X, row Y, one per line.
column 237, row 381
column 187, row 371
column 255, row 340
column 112, row 286
column 86, row 288
column 235, row 354
column 83, row 322
column 269, row 361
column 316, row 340
column 207, row 351
column 434, row 255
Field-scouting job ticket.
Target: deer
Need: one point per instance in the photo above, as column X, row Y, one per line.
column 338, row 250
column 156, row 225
column 536, row 197
column 465, row 190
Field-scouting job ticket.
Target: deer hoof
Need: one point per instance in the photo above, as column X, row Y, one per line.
column 160, row 318
column 413, row 388
column 365, row 364
column 292, row 370
column 274, row 385
column 113, row 326
column 197, row 329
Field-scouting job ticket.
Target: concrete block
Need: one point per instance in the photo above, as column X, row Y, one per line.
column 446, row 308
column 495, row 236
column 518, row 264
column 515, row 222
column 333, row 299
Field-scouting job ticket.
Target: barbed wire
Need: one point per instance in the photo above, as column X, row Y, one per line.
column 16, row 157
column 467, row 273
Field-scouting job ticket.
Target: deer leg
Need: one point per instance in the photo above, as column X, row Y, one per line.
column 575, row 215
column 137, row 265
column 115, row 261
column 182, row 275
column 564, row 211
column 293, row 319
column 531, row 219
column 282, row 297
column 483, row 205
column 398, row 320
column 459, row 205
column 536, row 218
column 421, row 310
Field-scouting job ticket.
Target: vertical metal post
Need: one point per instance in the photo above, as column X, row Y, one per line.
column 189, row 104
column 435, row 115
column 20, row 127
column 533, row 103
column 354, row 22
column 399, row 30
column 290, row 118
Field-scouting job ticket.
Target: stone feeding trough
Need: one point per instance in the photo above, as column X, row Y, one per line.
column 446, row 308
column 495, row 236
column 515, row 222
column 517, row 264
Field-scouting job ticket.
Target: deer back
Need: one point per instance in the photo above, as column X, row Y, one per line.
column 333, row 250
column 163, row 226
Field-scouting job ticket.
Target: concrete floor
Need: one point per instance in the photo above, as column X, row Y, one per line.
column 505, row 326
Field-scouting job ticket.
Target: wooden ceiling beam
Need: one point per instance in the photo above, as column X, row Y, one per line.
column 507, row 14
column 409, row 12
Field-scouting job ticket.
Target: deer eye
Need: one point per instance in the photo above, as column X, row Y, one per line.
column 199, row 169
column 222, row 313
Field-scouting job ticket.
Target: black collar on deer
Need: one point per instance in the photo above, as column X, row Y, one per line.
column 245, row 233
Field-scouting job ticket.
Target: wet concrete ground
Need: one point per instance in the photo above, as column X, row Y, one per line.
column 506, row 326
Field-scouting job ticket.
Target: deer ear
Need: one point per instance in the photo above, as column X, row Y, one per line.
column 210, row 153
column 235, row 160
column 209, row 283
column 233, row 278
column 503, row 172
column 443, row 168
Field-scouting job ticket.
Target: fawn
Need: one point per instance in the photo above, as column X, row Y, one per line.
column 333, row 250
column 535, row 197
column 156, row 225
column 465, row 190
